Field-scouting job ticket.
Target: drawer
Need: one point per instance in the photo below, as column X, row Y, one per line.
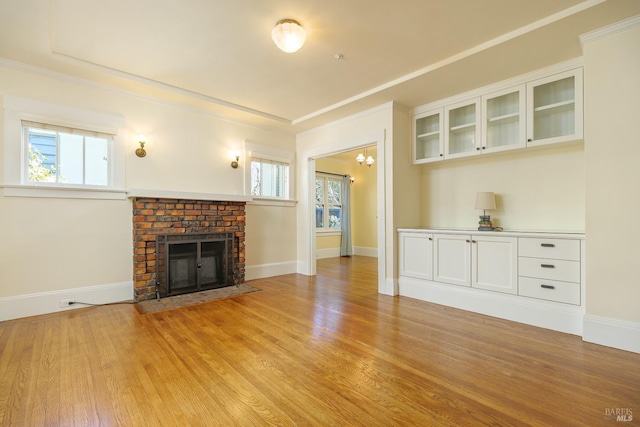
column 549, row 248
column 551, row 290
column 552, row 269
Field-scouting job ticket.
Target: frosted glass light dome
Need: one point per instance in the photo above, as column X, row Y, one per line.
column 288, row 35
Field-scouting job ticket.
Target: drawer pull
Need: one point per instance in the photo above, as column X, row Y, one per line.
column 547, row 266
column 547, row 286
column 547, row 245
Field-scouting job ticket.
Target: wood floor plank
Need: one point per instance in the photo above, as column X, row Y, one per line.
column 305, row 351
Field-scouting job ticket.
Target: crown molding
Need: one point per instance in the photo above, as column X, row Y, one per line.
column 609, row 30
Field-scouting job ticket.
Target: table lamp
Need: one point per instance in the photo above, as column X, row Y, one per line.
column 484, row 201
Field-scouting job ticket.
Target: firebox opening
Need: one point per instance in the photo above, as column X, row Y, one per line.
column 194, row 262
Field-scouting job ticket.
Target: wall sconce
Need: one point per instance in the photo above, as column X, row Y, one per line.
column 141, row 152
column 234, row 163
column 352, row 179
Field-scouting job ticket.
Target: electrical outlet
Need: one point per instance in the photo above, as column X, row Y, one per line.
column 66, row 302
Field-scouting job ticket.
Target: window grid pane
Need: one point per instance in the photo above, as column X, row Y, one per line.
column 269, row 178
column 67, row 158
column 328, row 203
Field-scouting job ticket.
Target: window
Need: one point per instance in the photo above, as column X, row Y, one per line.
column 57, row 151
column 60, row 155
column 268, row 175
column 328, row 202
column 269, row 178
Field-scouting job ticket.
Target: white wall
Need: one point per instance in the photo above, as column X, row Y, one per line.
column 541, row 189
column 612, row 120
column 48, row 245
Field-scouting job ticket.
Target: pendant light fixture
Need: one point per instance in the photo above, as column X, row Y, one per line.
column 363, row 158
column 288, row 35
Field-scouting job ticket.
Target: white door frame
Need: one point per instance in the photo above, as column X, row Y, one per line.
column 306, row 213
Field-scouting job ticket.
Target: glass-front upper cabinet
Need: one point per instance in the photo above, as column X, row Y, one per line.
column 428, row 143
column 504, row 124
column 554, row 106
column 462, row 124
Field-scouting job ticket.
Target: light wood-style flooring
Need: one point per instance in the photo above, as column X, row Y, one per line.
column 306, row 351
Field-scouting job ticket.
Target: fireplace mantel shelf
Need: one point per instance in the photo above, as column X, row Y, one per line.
column 162, row 194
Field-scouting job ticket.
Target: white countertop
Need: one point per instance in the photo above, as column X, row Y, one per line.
column 506, row 233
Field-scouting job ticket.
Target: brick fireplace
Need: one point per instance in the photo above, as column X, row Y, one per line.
column 154, row 216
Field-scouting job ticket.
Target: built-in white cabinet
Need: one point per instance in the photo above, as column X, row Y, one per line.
column 555, row 108
column 462, row 124
column 494, row 263
column 534, row 278
column 428, row 143
column 515, row 114
column 479, row 261
column 504, row 124
column 452, row 259
column 416, row 255
column 550, row 269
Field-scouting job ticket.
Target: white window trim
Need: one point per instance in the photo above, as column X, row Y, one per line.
column 326, row 231
column 18, row 109
column 253, row 149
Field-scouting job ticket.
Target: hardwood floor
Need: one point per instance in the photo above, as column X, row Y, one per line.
column 303, row 351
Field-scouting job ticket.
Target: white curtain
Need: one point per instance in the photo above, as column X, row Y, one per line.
column 346, row 248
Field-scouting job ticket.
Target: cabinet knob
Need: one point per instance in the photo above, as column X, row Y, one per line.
column 478, row 148
column 430, row 238
column 468, row 241
column 484, row 148
column 441, row 155
column 473, row 241
column 529, row 140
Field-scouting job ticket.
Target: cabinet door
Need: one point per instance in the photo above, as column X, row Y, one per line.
column 503, row 123
column 554, row 108
column 494, row 263
column 462, row 124
column 416, row 255
column 428, row 143
column 452, row 259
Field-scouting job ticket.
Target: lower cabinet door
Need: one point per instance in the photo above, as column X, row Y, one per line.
column 416, row 255
column 452, row 259
column 494, row 263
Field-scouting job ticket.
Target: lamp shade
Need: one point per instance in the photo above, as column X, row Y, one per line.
column 485, row 200
column 288, row 35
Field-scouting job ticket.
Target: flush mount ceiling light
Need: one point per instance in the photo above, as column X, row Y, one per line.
column 288, row 35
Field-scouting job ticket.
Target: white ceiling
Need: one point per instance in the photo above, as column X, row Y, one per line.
column 218, row 55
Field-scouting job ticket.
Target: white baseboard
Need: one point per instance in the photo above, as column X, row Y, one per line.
column 357, row 250
column 252, row 272
column 49, row 302
column 327, row 253
column 390, row 287
column 614, row 333
column 545, row 314
column 365, row 251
